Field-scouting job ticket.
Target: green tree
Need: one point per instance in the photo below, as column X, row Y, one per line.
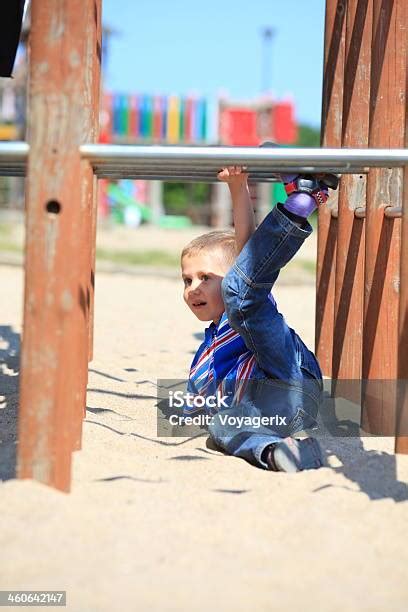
column 179, row 197
column 308, row 136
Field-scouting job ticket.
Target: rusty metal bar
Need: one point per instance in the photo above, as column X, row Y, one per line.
column 55, row 339
column 381, row 285
column 348, row 302
column 334, row 49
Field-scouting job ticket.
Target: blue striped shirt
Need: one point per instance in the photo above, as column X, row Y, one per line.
column 222, row 364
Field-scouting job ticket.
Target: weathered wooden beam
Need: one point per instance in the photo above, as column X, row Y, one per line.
column 59, row 194
column 384, row 188
column 95, row 69
column 334, row 50
column 349, row 294
column 401, row 439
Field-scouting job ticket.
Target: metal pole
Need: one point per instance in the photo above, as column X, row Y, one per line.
column 349, row 294
column 267, row 38
column 306, row 160
column 125, row 160
column 384, row 188
column 327, row 225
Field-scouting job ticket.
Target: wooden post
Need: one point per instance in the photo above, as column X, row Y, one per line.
column 384, row 188
column 401, row 439
column 348, row 326
column 95, row 59
column 59, row 192
column 331, row 137
column 89, row 193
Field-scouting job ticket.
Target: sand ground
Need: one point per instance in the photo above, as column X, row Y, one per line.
column 172, row 524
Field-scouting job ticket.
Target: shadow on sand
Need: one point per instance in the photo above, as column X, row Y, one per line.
column 374, row 472
column 9, row 381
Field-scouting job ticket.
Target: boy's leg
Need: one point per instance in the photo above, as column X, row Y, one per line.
column 250, row 308
column 253, row 430
column 240, row 440
column 292, row 385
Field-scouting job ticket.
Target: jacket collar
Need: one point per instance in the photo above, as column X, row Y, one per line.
column 213, row 329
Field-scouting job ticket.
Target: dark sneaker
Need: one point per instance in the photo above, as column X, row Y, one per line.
column 315, row 184
column 328, row 180
column 291, row 455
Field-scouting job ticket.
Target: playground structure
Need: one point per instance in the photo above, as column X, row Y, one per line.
column 146, row 119
column 362, row 299
column 362, row 279
column 140, row 118
column 153, row 119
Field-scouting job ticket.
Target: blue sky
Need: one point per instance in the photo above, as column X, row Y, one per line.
column 207, row 47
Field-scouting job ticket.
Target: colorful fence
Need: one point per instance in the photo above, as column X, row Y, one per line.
column 157, row 119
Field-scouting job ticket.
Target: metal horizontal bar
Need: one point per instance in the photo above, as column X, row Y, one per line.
column 184, row 178
column 154, row 169
column 166, row 179
column 177, row 174
column 13, row 158
column 13, row 151
column 168, row 162
column 14, row 171
column 166, row 172
column 281, row 158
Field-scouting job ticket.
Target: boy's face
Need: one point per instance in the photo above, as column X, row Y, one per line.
column 202, row 276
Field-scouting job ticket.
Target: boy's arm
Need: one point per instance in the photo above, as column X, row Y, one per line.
column 242, row 209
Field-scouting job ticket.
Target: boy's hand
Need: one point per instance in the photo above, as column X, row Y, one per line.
column 236, row 178
column 233, row 175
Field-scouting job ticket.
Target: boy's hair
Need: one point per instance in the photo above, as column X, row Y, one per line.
column 221, row 240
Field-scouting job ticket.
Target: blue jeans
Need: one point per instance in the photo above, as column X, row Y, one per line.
column 287, row 383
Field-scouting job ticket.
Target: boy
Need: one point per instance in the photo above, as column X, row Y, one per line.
column 270, row 381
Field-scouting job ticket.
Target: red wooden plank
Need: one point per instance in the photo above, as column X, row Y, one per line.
column 95, row 68
column 384, row 188
column 331, row 137
column 349, row 294
column 401, row 440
